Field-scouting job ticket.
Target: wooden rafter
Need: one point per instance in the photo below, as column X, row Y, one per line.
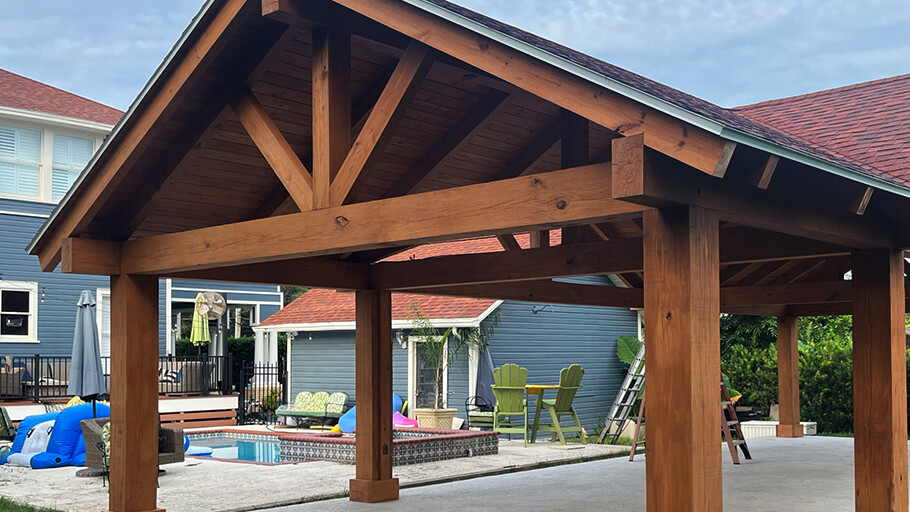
column 862, row 203
column 508, row 242
column 546, row 291
column 136, row 136
column 281, row 157
column 528, row 202
column 380, row 124
column 694, row 146
column 575, row 135
column 450, row 143
column 637, row 179
column 764, row 179
column 310, row 272
column 532, row 155
column 540, row 238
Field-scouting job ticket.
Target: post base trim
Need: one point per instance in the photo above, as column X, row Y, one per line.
column 374, row 491
column 790, row 430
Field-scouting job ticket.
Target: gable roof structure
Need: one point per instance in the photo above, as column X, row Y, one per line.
column 306, row 142
column 22, row 93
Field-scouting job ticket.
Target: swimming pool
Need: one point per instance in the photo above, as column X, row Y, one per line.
column 262, row 449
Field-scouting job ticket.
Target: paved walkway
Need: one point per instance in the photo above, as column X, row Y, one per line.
column 812, row 474
column 206, row 485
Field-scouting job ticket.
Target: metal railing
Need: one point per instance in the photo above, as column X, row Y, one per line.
column 262, row 391
column 39, row 378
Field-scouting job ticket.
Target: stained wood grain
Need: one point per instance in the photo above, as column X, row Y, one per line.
column 788, row 377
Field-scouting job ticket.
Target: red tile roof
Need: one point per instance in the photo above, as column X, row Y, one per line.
column 17, row 91
column 867, row 123
column 320, row 305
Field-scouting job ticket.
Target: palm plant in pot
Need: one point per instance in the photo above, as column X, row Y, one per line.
column 437, row 350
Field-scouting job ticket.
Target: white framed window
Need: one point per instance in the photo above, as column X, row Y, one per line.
column 20, row 161
column 103, row 318
column 18, row 312
column 421, row 378
column 71, row 155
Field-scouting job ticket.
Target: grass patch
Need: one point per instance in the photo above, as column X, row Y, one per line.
column 7, row 505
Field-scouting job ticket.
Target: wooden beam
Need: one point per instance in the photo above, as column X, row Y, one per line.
column 788, row 377
column 540, row 238
column 546, row 291
column 680, row 140
column 508, row 242
column 309, row 272
column 724, row 161
column 381, row 123
column 134, row 393
column 682, row 312
column 767, row 173
column 530, row 264
column 743, row 244
column 307, row 15
column 879, row 381
column 281, row 157
column 331, row 109
column 652, row 180
column 450, row 143
column 555, row 199
column 135, row 136
column 783, row 294
column 373, row 356
column 87, row 256
column 860, row 207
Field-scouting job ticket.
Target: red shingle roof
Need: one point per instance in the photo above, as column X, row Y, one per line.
column 17, row 91
column 320, row 305
column 867, row 123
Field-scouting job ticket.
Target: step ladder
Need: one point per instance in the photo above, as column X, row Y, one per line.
column 733, row 436
column 625, row 399
column 729, row 422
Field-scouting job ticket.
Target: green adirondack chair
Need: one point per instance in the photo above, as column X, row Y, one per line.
column 569, row 384
column 511, row 400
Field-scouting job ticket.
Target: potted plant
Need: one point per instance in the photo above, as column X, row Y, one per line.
column 437, row 350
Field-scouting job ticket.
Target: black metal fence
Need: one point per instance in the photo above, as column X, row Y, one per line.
column 40, row 378
column 262, row 390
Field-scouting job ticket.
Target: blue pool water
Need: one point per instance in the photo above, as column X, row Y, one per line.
column 227, row 447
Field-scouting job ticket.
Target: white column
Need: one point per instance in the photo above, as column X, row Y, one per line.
column 259, row 348
column 273, row 348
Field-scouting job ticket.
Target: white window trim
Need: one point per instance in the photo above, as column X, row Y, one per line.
column 412, row 376
column 32, row 289
column 46, row 164
column 99, row 308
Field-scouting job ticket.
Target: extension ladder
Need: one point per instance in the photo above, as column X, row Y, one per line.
column 625, row 399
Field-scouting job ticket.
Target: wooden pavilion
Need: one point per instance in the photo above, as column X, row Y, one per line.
column 303, row 141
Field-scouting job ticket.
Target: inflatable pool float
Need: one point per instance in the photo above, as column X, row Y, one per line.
column 56, row 436
column 348, row 421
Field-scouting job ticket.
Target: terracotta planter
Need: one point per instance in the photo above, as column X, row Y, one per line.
column 435, row 418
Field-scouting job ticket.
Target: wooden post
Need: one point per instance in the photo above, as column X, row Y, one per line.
column 134, row 393
column 574, row 142
column 682, row 319
column 373, row 345
column 879, row 381
column 331, row 108
column 788, row 377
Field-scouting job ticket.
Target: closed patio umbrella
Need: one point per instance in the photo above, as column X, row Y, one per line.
column 200, row 333
column 86, row 372
column 485, row 375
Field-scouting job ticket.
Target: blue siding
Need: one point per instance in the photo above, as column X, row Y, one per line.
column 326, row 363
column 32, row 207
column 57, row 314
column 558, row 336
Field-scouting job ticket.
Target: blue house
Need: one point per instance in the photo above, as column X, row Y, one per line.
column 544, row 338
column 47, row 136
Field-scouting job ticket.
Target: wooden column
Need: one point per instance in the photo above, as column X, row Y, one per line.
column 373, row 345
column 879, row 381
column 331, row 108
column 573, row 150
column 788, row 377
column 682, row 333
column 134, row 393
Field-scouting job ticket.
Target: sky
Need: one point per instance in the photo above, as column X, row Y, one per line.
column 728, row 52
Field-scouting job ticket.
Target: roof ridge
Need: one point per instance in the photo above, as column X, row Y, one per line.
column 823, row 92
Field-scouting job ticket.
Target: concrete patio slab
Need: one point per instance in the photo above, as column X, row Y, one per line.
column 811, row 474
column 201, row 484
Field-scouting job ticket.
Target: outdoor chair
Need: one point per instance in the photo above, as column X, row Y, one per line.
column 511, row 400
column 480, row 413
column 315, row 406
column 7, row 430
column 97, row 430
column 569, row 384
